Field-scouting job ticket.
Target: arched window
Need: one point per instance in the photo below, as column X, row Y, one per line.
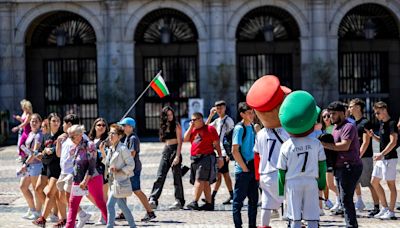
column 62, row 65
column 364, row 69
column 267, row 43
column 166, row 39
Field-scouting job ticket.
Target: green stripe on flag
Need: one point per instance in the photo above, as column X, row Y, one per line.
column 160, row 84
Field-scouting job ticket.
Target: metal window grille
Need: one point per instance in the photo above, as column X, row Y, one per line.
column 364, row 75
column 71, row 87
column 252, row 67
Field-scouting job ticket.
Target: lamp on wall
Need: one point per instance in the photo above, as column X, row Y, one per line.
column 268, row 32
column 61, row 37
column 165, row 33
column 369, row 30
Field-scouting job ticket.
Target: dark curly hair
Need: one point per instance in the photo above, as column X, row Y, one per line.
column 92, row 132
column 166, row 125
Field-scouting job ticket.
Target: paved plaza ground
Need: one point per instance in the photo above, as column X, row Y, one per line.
column 13, row 205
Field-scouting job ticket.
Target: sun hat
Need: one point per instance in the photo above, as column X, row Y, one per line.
column 298, row 112
column 266, row 93
column 128, row 121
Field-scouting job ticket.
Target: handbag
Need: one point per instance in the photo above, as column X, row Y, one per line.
column 121, row 189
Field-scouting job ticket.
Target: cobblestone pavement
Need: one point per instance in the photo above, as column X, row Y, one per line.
column 13, row 205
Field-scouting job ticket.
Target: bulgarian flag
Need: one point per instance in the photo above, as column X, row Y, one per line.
column 159, row 86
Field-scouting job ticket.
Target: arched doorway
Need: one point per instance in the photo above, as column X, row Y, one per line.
column 267, row 43
column 368, row 54
column 166, row 40
column 61, row 66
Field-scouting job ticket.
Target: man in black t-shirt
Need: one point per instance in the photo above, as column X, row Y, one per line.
column 386, row 160
column 356, row 108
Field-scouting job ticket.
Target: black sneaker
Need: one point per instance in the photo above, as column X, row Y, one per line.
column 373, row 212
column 120, row 216
column 193, row 206
column 149, row 216
column 228, row 201
column 398, row 208
column 337, row 212
column 207, row 207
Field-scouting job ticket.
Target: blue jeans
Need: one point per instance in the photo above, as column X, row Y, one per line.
column 347, row 179
column 245, row 186
column 123, row 206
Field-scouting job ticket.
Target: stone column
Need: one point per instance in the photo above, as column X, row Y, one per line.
column 11, row 88
column 220, row 81
column 319, row 77
column 112, row 90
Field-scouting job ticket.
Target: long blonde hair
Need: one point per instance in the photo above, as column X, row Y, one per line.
column 25, row 104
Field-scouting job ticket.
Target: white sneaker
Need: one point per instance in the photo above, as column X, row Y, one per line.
column 53, row 218
column 335, row 207
column 27, row 214
column 388, row 215
column 153, row 204
column 82, row 220
column 34, row 215
column 101, row 221
column 381, row 212
column 359, row 205
column 275, row 214
column 328, row 204
column 321, row 212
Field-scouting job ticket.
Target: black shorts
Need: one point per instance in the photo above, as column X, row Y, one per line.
column 203, row 169
column 54, row 169
column 224, row 169
column 44, row 170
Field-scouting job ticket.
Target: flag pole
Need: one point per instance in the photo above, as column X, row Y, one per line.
column 140, row 96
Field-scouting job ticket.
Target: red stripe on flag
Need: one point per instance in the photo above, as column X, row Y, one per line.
column 157, row 89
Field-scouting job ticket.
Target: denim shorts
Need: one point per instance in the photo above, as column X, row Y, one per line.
column 35, row 169
column 135, row 181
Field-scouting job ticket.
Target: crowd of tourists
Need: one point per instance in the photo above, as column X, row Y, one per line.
column 286, row 153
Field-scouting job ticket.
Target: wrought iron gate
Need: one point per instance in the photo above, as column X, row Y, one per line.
column 252, row 67
column 71, row 87
column 181, row 76
column 364, row 75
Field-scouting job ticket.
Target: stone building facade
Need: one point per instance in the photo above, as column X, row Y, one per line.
column 94, row 57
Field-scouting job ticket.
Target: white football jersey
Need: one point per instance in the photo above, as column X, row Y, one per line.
column 268, row 146
column 300, row 157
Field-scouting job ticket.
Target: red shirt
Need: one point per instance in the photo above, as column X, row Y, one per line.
column 202, row 140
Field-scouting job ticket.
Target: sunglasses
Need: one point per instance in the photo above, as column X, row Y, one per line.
column 100, row 125
column 377, row 113
column 192, row 120
column 326, row 116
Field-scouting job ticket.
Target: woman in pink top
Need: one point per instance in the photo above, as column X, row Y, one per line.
column 25, row 127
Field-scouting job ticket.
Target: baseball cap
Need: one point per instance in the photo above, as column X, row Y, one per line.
column 298, row 112
column 128, row 121
column 218, row 103
column 266, row 93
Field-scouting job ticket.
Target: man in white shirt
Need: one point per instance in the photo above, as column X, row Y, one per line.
column 222, row 124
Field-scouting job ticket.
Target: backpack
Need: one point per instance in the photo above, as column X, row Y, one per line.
column 227, row 141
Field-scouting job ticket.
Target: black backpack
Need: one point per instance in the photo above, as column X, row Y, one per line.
column 227, row 141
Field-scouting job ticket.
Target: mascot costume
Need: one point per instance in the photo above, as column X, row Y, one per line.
column 302, row 161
